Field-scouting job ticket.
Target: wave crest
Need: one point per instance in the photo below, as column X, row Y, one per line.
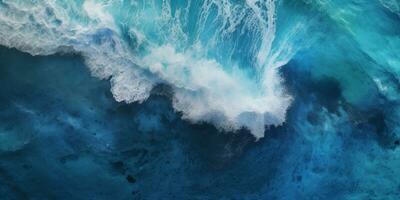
column 221, row 58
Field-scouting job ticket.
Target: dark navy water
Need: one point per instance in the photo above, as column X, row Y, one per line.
column 63, row 136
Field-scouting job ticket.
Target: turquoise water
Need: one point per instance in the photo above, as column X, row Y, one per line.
column 211, row 99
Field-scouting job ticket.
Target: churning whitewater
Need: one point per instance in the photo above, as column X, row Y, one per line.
column 220, row 57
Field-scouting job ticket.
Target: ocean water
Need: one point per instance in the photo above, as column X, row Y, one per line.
column 200, row 99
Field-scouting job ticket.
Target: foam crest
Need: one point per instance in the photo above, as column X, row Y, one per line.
column 205, row 92
column 190, row 46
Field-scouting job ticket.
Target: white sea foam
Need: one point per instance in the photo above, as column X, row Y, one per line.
column 205, row 87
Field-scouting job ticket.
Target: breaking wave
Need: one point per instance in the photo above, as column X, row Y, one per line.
column 220, row 57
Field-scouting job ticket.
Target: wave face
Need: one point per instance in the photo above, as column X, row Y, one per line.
column 221, row 58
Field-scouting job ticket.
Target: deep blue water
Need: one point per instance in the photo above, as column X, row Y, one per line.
column 64, row 137
column 255, row 100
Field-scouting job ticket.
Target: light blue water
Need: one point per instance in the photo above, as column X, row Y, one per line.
column 212, row 99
